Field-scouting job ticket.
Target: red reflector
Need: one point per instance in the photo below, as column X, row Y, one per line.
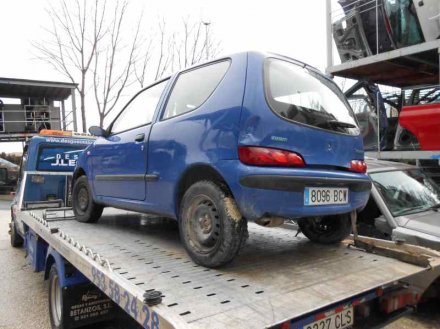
column 262, row 156
column 358, row 166
column 320, row 316
column 285, row 325
column 379, row 292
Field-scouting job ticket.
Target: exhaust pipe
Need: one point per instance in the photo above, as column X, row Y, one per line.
column 270, row 221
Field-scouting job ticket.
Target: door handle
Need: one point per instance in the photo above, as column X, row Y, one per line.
column 139, row 138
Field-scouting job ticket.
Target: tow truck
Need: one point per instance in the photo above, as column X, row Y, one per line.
column 135, row 264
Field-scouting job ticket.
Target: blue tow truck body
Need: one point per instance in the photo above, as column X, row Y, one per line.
column 44, row 182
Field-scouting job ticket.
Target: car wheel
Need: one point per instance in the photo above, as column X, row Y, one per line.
column 55, row 299
column 16, row 239
column 326, row 229
column 85, row 209
column 211, row 228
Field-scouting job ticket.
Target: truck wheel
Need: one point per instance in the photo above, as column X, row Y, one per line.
column 55, row 299
column 16, row 239
column 211, row 228
column 326, row 229
column 85, row 209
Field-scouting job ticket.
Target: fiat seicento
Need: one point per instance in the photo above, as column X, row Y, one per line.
column 249, row 137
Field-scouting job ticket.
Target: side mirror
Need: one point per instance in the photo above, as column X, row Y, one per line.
column 98, row 131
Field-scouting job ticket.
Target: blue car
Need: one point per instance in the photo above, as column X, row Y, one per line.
column 250, row 137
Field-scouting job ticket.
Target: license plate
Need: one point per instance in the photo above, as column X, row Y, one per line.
column 339, row 320
column 315, row 196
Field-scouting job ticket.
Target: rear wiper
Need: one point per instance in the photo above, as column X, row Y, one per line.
column 341, row 124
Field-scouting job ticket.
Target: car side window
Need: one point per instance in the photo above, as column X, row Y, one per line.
column 194, row 87
column 140, row 110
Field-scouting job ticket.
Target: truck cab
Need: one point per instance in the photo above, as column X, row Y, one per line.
column 45, row 174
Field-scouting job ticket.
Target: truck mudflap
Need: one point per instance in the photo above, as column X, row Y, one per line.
column 278, row 280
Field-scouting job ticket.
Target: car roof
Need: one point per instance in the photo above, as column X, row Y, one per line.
column 249, row 53
column 375, row 165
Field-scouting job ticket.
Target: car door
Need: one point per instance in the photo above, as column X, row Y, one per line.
column 119, row 161
column 422, row 120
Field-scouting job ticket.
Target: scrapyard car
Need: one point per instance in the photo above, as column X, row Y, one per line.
column 403, row 205
column 253, row 136
column 419, row 120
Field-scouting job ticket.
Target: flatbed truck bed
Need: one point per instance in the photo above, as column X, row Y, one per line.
column 280, row 279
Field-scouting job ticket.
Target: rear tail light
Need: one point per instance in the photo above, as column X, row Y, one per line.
column 358, row 166
column 262, row 156
column 398, row 300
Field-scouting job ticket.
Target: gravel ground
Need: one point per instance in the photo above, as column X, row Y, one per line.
column 23, row 297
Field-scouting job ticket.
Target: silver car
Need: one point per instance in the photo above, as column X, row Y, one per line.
column 403, row 206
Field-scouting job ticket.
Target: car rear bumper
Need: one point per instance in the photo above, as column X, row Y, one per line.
column 297, row 184
column 264, row 191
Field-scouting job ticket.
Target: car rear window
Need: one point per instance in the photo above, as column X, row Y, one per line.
column 303, row 96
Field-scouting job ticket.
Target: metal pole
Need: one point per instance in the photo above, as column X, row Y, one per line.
column 72, row 94
column 378, row 122
column 377, row 27
column 206, row 39
column 377, row 94
column 63, row 115
column 328, row 21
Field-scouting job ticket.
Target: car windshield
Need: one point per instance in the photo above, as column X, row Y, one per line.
column 301, row 95
column 407, row 191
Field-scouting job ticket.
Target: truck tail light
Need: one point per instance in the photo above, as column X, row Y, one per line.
column 358, row 166
column 263, row 156
column 399, row 299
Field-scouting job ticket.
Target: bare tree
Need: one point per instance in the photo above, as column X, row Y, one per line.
column 176, row 50
column 194, row 42
column 76, row 29
column 141, row 66
column 88, row 36
column 95, row 43
column 114, row 63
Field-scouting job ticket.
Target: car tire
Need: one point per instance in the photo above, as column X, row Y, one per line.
column 85, row 209
column 55, row 299
column 211, row 228
column 16, row 239
column 326, row 229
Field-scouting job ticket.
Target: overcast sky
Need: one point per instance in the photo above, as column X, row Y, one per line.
column 295, row 28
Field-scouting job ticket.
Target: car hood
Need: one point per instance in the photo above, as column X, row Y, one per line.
column 426, row 222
